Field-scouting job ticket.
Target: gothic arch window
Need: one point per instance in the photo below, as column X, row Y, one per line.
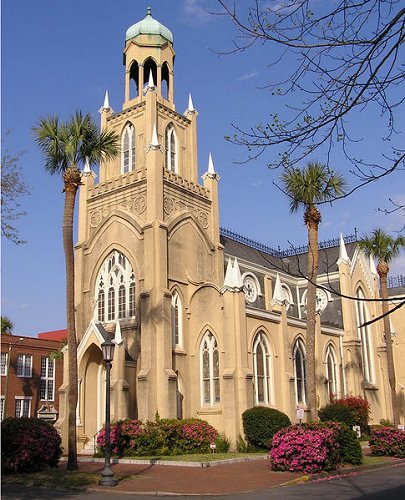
column 288, row 298
column 115, row 289
column 262, row 370
column 209, row 370
column 134, row 80
column 364, row 335
column 128, row 149
column 332, row 372
column 177, row 320
column 165, row 80
column 300, row 372
column 171, row 148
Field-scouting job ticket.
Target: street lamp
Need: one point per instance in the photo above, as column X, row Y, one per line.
column 107, row 474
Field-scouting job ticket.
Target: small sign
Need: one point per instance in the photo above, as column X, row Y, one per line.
column 357, row 430
column 300, row 413
column 213, row 447
column 401, row 427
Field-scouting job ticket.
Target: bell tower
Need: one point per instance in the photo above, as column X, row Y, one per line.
column 148, row 233
column 148, row 60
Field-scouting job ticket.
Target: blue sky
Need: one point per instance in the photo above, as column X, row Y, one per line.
column 61, row 56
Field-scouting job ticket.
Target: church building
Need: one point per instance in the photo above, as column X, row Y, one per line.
column 206, row 322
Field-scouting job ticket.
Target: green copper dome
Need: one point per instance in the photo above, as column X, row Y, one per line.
column 148, row 26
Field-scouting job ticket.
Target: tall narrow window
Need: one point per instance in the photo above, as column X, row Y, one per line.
column 3, row 365
column 22, row 407
column 47, row 388
column 299, row 372
column 24, row 365
column 121, row 302
column 171, row 148
column 332, row 373
column 209, row 370
column 2, row 407
column 115, row 289
column 262, row 370
column 128, row 149
column 364, row 334
column 177, row 327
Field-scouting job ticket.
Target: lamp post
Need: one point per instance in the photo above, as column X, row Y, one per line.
column 107, row 474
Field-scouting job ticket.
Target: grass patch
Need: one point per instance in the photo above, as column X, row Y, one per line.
column 375, row 460
column 200, row 457
column 53, row 478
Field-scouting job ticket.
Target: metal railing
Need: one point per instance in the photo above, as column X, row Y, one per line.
column 287, row 252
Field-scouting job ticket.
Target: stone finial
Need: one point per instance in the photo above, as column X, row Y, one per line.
column 118, row 340
column 190, row 107
column 237, row 277
column 228, row 281
column 278, row 296
column 343, row 257
column 106, row 104
column 155, row 142
column 211, row 169
column 151, row 83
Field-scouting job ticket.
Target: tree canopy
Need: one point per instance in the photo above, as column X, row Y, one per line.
column 333, row 65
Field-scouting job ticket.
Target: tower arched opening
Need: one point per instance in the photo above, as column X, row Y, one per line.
column 134, row 80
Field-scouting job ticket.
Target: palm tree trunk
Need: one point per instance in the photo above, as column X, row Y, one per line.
column 70, row 195
column 311, row 317
column 389, row 350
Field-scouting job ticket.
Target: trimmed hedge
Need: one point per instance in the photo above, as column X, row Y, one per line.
column 28, row 445
column 337, row 412
column 261, row 423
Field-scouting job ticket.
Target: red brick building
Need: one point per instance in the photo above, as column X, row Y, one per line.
column 30, row 376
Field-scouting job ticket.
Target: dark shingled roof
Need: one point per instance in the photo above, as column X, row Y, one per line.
column 293, row 264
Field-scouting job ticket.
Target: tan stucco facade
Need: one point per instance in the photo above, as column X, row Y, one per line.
column 149, row 211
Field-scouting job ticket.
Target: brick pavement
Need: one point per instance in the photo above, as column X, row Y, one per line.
column 221, row 479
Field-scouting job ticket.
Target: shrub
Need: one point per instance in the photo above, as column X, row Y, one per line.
column 223, row 444
column 303, row 449
column 337, row 412
column 29, row 444
column 360, row 408
column 388, row 441
column 261, row 423
column 241, row 446
column 160, row 437
column 350, row 448
column 116, row 443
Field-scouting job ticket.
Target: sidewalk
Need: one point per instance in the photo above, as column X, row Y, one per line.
column 203, row 480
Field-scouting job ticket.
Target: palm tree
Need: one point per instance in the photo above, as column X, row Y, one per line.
column 316, row 183
column 6, row 325
column 385, row 249
column 65, row 146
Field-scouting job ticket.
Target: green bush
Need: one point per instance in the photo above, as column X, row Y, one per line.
column 223, row 444
column 261, row 423
column 161, row 437
column 350, row 448
column 241, row 446
column 337, row 412
column 360, row 408
column 28, row 444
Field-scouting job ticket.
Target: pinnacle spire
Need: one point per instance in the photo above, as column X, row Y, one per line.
column 151, row 83
column 278, row 296
column 190, row 104
column 118, row 335
column 106, row 104
column 372, row 266
column 343, row 257
column 155, row 142
column 211, row 169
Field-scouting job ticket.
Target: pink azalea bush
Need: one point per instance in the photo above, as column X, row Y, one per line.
column 388, row 441
column 28, row 444
column 303, row 449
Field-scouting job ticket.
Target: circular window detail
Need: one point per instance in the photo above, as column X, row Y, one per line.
column 321, row 300
column 250, row 289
